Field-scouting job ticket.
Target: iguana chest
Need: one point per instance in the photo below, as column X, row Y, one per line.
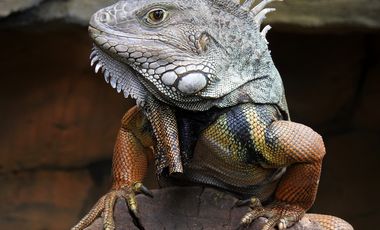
column 218, row 149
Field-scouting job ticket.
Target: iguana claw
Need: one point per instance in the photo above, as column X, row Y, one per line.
column 139, row 187
column 249, row 202
column 107, row 203
column 278, row 214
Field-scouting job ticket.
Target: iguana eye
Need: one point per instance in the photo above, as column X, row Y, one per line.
column 156, row 16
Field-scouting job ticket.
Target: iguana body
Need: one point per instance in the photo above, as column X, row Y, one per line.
column 210, row 102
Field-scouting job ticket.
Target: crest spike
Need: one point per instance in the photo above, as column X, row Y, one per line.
column 265, row 31
column 259, row 7
column 259, row 18
column 247, row 4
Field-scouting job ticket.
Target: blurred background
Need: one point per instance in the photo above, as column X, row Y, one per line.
column 58, row 120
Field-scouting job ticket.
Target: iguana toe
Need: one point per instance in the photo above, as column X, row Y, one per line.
column 91, row 216
column 279, row 214
column 106, row 205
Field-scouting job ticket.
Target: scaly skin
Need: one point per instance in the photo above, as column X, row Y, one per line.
column 241, row 151
column 211, row 105
column 246, row 146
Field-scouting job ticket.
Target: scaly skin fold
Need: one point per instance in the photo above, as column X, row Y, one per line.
column 164, row 127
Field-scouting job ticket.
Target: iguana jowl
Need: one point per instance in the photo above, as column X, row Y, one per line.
column 211, row 103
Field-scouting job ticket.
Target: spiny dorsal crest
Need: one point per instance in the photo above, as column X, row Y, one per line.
column 258, row 12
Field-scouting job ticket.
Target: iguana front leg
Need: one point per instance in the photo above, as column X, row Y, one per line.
column 301, row 150
column 129, row 168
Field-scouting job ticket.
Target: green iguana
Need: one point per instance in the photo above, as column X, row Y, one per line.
column 210, row 102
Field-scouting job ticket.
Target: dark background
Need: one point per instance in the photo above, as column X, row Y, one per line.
column 58, row 120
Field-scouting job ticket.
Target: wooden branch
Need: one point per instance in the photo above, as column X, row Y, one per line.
column 188, row 208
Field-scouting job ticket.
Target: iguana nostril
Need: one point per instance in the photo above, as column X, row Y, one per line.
column 203, row 42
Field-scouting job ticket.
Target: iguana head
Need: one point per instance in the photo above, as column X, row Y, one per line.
column 183, row 52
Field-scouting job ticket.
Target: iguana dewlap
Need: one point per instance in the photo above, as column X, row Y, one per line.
column 211, row 104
